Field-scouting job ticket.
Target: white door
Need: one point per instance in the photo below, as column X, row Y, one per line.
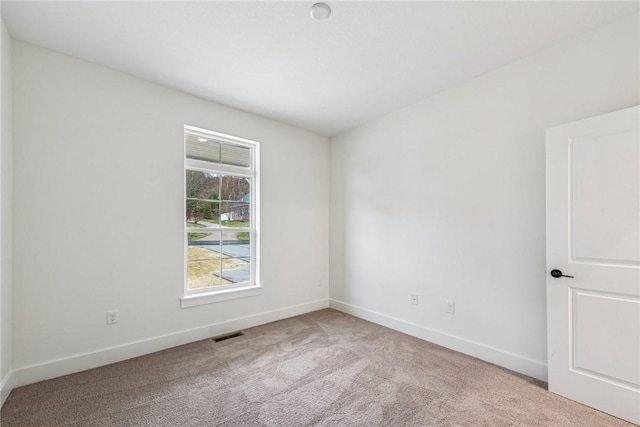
column 593, row 234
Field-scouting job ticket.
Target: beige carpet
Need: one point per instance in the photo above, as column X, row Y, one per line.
column 325, row 368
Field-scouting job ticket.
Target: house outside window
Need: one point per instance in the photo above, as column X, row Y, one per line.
column 221, row 212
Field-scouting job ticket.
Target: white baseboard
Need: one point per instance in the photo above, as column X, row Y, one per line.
column 5, row 387
column 514, row 362
column 94, row 359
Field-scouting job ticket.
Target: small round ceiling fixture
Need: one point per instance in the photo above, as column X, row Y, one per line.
column 320, row 11
column 202, row 139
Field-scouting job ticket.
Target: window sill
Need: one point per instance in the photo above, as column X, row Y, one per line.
column 217, row 296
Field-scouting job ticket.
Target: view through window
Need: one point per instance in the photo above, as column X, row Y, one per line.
column 220, row 206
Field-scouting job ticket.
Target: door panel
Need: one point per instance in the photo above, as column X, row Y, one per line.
column 593, row 340
column 593, row 234
column 604, row 198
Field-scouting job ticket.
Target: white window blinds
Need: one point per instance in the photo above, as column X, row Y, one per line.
column 204, row 147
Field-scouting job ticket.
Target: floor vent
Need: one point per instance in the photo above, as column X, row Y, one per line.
column 228, row 336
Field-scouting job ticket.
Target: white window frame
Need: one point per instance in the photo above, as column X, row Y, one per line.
column 194, row 297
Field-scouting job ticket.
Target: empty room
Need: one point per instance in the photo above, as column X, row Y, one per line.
column 367, row 213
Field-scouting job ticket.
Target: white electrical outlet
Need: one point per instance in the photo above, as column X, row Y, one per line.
column 451, row 307
column 414, row 299
column 112, row 317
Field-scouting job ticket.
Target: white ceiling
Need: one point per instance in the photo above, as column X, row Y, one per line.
column 271, row 59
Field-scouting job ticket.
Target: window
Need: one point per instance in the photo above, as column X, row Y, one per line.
column 220, row 212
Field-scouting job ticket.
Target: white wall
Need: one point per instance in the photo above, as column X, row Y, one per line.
column 98, row 216
column 445, row 199
column 6, row 194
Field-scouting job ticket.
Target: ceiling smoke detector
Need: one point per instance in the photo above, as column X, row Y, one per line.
column 320, row 11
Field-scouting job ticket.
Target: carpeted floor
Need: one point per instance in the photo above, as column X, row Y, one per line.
column 324, row 368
